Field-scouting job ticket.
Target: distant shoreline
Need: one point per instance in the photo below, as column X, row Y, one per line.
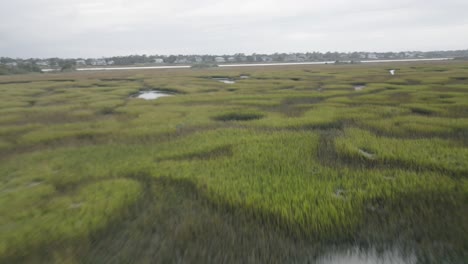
column 244, row 65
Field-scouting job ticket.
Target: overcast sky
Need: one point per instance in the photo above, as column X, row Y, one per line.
column 96, row 28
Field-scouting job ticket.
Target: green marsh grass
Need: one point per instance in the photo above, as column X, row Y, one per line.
column 291, row 162
column 430, row 154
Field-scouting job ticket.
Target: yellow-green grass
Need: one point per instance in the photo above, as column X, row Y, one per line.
column 416, row 125
column 43, row 216
column 431, row 154
column 274, row 176
column 296, row 150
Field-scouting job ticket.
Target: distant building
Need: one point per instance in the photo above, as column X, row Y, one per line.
column 231, row 59
column 302, row 57
column 343, row 56
column 372, row 56
column 220, row 59
column 290, row 57
column 11, row 64
column 99, row 62
column 80, row 63
column 110, row 62
column 158, row 60
column 208, row 59
column 198, row 59
column 43, row 63
column 181, row 61
column 266, row 59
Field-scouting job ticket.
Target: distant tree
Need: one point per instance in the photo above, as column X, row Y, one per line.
column 54, row 62
column 30, row 67
column 66, row 62
column 21, row 68
column 354, row 55
column 171, row 59
column 4, row 70
column 67, row 67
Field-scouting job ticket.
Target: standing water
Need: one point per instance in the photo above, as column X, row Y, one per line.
column 359, row 87
column 356, row 256
column 151, row 95
column 225, row 80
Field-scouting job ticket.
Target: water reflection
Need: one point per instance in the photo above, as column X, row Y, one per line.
column 152, row 95
column 225, row 80
column 354, row 255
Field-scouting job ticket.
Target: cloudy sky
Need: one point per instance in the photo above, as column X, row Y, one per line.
column 95, row 28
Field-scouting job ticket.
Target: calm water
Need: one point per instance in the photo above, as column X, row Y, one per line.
column 359, row 87
column 225, row 80
column 151, row 95
column 369, row 256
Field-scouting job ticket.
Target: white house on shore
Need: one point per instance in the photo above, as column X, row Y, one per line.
column 11, row 64
column 266, row 59
column 158, row 60
column 182, row 61
column 290, row 58
column 99, row 62
column 43, row 63
column 220, row 59
column 80, row 63
column 372, row 56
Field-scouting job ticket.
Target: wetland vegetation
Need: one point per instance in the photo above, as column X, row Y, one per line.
column 284, row 165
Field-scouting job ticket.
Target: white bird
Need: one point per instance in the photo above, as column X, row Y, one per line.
column 392, row 72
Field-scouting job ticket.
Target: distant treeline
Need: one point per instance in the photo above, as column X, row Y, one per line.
column 19, row 69
column 14, row 65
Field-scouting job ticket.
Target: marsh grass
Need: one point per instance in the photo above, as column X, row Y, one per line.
column 254, row 173
column 238, row 116
column 429, row 154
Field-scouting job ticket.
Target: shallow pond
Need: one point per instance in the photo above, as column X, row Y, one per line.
column 359, row 87
column 151, row 95
column 370, row 256
column 225, row 80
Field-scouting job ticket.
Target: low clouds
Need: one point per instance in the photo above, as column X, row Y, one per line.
column 94, row 28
